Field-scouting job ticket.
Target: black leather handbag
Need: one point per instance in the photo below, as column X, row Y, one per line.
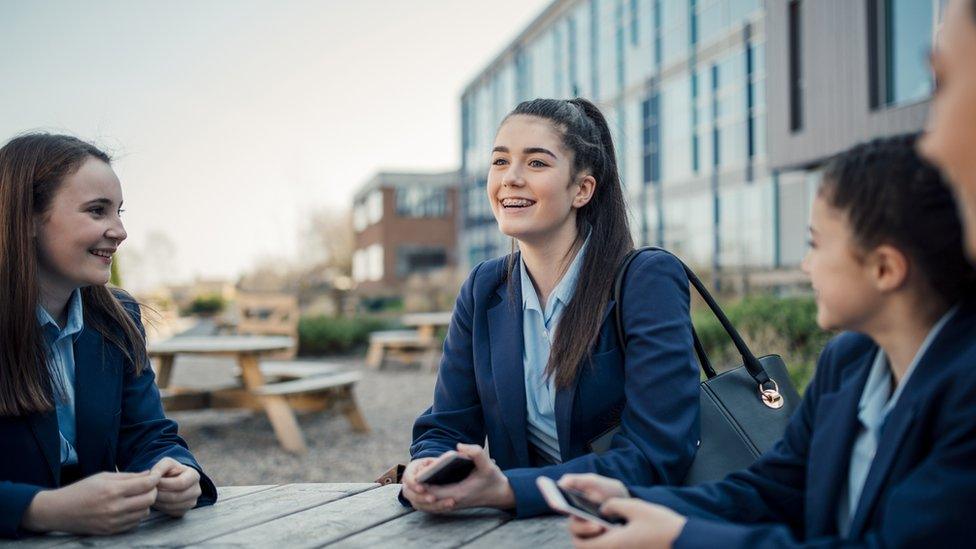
column 744, row 410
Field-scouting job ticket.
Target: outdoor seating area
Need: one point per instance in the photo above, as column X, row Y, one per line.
column 419, row 345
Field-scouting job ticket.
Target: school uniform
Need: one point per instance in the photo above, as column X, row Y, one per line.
column 491, row 387
column 860, row 464
column 110, row 420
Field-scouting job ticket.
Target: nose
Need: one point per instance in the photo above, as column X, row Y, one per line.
column 116, row 232
column 805, row 264
column 513, row 177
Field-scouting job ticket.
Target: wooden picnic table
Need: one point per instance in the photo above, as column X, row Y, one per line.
column 246, row 350
column 317, row 515
column 427, row 323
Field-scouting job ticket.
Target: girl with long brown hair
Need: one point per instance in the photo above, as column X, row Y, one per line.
column 531, row 362
column 89, row 449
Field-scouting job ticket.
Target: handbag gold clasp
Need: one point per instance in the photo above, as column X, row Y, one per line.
column 771, row 397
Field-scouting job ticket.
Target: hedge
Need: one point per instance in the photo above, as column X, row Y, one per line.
column 321, row 335
column 770, row 325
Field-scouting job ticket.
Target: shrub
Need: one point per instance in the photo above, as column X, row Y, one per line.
column 769, row 325
column 319, row 335
column 207, row 305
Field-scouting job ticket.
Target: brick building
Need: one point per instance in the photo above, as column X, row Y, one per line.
column 405, row 226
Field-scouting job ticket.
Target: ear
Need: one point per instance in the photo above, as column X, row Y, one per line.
column 587, row 185
column 889, row 267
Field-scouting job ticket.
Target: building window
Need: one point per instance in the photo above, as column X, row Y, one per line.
column 368, row 211
column 412, row 259
column 634, row 24
column 795, row 69
column 367, row 263
column 594, row 50
column 620, row 39
column 900, row 35
column 571, row 53
column 421, row 202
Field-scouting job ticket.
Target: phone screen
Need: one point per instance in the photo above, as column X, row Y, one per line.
column 581, row 502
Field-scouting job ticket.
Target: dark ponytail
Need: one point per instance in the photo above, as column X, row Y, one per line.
column 891, row 196
column 603, row 219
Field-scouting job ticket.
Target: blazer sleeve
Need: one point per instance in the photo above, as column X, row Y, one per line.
column 15, row 498
column 456, row 414
column 660, row 421
column 146, row 435
column 931, row 507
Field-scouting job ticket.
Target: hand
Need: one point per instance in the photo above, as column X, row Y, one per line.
column 415, row 492
column 178, row 489
column 596, row 488
column 102, row 504
column 486, row 486
column 648, row 525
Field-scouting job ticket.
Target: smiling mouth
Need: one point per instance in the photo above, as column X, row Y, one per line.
column 107, row 254
column 516, row 202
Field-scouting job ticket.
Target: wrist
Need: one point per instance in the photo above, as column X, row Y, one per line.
column 38, row 516
column 504, row 496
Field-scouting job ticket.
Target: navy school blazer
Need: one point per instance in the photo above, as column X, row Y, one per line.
column 920, row 490
column 120, row 426
column 651, row 387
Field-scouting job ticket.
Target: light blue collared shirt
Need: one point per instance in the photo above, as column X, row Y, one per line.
column 538, row 328
column 872, row 410
column 61, row 363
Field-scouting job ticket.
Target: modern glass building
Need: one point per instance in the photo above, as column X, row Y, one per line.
column 684, row 85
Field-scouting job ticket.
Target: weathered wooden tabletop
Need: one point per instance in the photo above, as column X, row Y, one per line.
column 317, row 515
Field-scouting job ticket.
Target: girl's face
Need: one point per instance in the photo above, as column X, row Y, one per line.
column 80, row 232
column 845, row 293
column 533, row 191
column 951, row 134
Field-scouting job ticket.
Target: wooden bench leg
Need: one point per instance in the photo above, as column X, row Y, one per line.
column 165, row 370
column 284, row 423
column 351, row 410
column 374, row 356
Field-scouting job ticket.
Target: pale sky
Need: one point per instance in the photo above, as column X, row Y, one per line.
column 231, row 120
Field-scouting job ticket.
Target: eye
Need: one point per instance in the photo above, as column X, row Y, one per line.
column 121, row 211
column 97, row 211
column 535, row 163
column 811, row 244
column 499, row 162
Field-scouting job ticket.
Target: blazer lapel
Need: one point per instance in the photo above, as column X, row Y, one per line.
column 566, row 397
column 505, row 344
column 830, row 449
column 45, row 428
column 95, row 392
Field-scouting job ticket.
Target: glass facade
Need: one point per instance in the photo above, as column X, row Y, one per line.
column 908, row 28
column 421, row 202
column 681, row 83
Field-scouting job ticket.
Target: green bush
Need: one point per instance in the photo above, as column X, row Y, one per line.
column 207, row 305
column 320, row 335
column 770, row 325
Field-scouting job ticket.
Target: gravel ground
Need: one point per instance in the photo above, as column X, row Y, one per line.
column 239, row 447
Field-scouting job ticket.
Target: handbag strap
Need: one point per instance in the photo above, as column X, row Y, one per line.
column 749, row 360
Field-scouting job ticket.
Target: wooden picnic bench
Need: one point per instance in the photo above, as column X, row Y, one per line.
column 317, row 515
column 417, row 345
column 279, row 388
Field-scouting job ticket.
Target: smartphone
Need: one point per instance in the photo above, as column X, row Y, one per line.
column 449, row 468
column 573, row 502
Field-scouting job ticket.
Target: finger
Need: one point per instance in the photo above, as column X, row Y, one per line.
column 475, row 453
column 138, row 485
column 176, row 509
column 167, row 466
column 183, row 481
column 445, row 505
column 622, row 507
column 139, row 502
column 584, row 528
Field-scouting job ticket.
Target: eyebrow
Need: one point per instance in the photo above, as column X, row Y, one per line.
column 100, row 202
column 528, row 150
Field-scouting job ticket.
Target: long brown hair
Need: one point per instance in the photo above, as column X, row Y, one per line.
column 32, row 168
column 604, row 219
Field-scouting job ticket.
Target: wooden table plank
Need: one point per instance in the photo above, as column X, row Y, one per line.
column 427, row 531
column 225, row 493
column 235, row 514
column 536, row 532
column 323, row 524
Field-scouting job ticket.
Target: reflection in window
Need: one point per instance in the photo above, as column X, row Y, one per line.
column 413, row 259
column 908, row 33
column 421, row 202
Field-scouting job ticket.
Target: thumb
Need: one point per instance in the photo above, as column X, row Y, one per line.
column 164, row 466
column 474, row 453
column 626, row 508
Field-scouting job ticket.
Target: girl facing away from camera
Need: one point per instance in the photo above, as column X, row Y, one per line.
column 531, row 361
column 882, row 451
column 89, row 450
